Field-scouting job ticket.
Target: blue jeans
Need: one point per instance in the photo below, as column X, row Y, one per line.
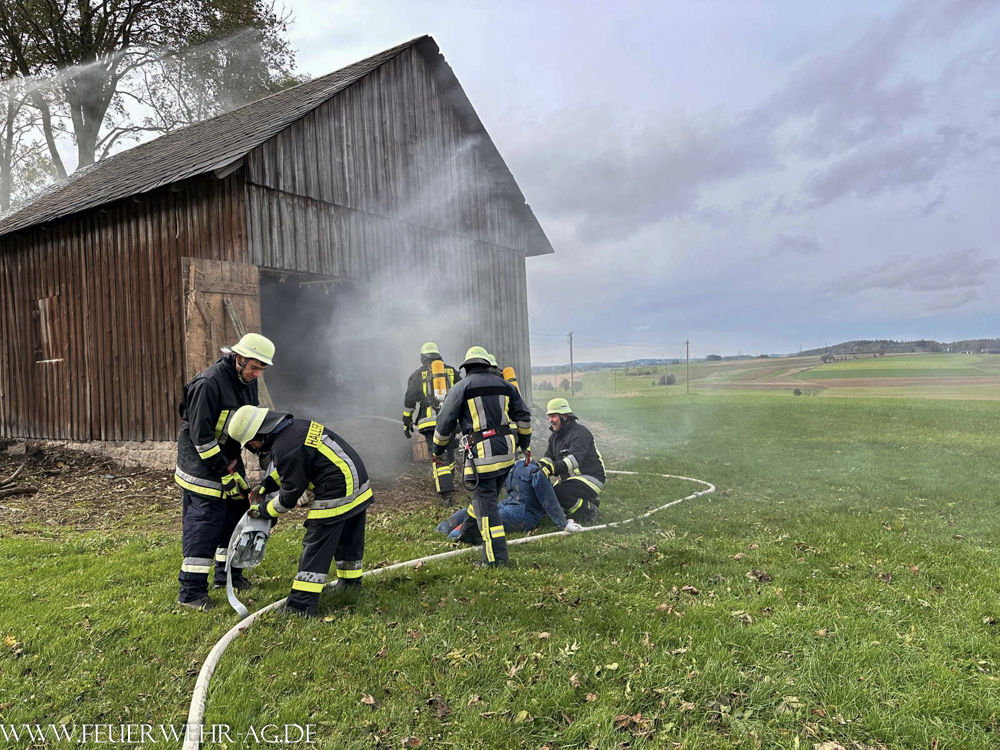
column 530, row 497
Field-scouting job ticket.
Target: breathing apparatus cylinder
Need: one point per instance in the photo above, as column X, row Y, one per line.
column 440, row 381
column 511, row 377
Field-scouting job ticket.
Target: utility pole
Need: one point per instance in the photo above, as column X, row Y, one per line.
column 687, row 354
column 572, row 381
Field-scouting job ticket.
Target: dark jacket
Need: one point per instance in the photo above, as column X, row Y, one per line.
column 203, row 448
column 484, row 403
column 574, row 455
column 420, row 398
column 307, row 456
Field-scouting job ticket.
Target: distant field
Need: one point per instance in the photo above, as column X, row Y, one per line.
column 894, row 372
column 944, row 376
column 909, row 361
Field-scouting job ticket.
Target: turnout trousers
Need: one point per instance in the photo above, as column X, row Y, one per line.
column 444, row 476
column 578, row 500
column 484, row 522
column 323, row 543
column 207, row 523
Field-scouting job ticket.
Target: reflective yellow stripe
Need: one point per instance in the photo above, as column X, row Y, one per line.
column 221, row 423
column 587, row 482
column 497, row 531
column 195, row 568
column 484, row 531
column 472, row 511
column 349, row 573
column 211, row 451
column 476, row 426
column 275, row 509
column 330, row 512
column 314, row 588
column 441, row 440
column 469, row 471
column 576, row 507
column 196, row 488
column 340, row 464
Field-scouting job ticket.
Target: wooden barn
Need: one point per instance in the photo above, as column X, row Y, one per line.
column 350, row 219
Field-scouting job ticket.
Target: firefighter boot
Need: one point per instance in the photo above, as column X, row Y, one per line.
column 199, row 605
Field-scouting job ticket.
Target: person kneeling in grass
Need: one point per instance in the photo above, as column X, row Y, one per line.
column 307, row 455
column 530, row 498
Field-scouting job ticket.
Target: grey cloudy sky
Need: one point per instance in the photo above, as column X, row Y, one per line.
column 755, row 177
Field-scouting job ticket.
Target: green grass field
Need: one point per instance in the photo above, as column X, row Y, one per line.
column 945, row 376
column 841, row 587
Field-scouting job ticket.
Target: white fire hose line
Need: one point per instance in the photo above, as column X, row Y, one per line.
column 198, row 699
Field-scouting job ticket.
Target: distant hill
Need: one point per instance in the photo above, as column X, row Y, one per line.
column 866, row 346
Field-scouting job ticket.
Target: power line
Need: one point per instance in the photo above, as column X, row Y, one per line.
column 647, row 346
column 610, row 343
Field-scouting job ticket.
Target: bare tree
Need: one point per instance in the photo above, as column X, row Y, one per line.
column 97, row 54
column 24, row 165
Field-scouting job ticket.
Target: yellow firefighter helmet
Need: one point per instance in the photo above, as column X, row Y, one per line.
column 476, row 356
column 558, row 406
column 255, row 346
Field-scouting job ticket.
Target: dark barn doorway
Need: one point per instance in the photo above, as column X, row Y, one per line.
column 318, row 326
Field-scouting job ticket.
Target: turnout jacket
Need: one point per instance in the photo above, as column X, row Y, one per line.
column 203, row 449
column 307, row 456
column 420, row 396
column 574, row 456
column 492, row 415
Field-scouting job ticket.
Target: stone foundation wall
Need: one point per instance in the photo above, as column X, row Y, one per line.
column 148, row 454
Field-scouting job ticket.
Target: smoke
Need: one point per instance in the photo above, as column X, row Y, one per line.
column 346, row 348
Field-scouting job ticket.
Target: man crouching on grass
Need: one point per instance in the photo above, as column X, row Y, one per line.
column 307, row 455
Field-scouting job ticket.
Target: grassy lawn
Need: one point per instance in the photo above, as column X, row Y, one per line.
column 840, row 586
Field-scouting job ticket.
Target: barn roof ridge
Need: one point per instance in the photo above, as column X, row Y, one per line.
column 220, row 141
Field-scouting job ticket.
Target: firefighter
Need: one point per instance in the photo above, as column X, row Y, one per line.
column 210, row 468
column 420, row 397
column 306, row 455
column 493, row 419
column 572, row 463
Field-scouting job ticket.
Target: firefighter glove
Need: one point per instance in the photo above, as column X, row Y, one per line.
column 260, row 510
column 572, row 526
column 407, row 430
column 234, row 486
column 545, row 465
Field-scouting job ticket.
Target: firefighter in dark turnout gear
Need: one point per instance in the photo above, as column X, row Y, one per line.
column 420, row 399
column 306, row 455
column 573, row 464
column 210, row 467
column 493, row 419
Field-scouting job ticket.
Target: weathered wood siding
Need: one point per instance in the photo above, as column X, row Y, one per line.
column 385, row 180
column 114, row 279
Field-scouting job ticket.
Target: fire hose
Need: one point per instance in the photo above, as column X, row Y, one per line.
column 200, row 696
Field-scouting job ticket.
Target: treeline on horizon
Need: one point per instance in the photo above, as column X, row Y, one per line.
column 860, row 346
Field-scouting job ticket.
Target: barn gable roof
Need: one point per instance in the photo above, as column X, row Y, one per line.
column 220, row 142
